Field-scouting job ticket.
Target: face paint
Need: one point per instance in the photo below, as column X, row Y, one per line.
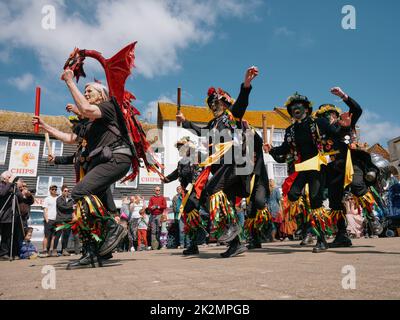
column 217, row 108
column 298, row 111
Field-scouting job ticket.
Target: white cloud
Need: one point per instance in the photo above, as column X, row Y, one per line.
column 376, row 130
column 162, row 29
column 23, row 82
column 283, row 31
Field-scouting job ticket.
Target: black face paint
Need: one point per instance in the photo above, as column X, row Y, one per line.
column 298, row 110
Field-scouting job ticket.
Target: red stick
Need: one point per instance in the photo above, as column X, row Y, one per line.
column 37, row 108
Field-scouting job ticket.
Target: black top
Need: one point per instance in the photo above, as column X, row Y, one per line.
column 6, row 190
column 339, row 144
column 97, row 133
column 64, row 209
column 306, row 147
column 221, row 123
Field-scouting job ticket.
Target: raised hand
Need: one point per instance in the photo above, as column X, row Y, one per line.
column 267, row 147
column 37, row 120
column 339, row 92
column 251, row 73
column 73, row 108
column 67, row 75
column 180, row 117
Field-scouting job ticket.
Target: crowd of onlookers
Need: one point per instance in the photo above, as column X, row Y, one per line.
column 149, row 224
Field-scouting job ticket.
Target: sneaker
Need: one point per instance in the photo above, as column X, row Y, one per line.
column 65, row 253
column 321, row 246
column 307, row 240
column 43, row 255
column 5, row 257
column 53, row 253
column 149, row 248
column 133, row 249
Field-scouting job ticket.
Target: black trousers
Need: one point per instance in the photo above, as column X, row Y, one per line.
column 257, row 199
column 99, row 179
column 65, row 233
column 335, row 174
column 5, row 244
column 315, row 181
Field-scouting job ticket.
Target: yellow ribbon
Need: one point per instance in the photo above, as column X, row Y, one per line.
column 315, row 162
column 349, row 171
column 220, row 150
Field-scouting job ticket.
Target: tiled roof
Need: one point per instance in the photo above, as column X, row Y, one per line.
column 277, row 117
column 21, row 122
column 377, row 148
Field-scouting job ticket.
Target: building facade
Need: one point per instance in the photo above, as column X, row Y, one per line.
column 25, row 154
column 170, row 133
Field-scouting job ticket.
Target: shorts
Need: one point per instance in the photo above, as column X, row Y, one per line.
column 49, row 228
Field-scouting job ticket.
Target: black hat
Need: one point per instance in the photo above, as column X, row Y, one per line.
column 297, row 98
column 219, row 94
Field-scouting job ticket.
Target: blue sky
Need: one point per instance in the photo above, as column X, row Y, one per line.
column 297, row 45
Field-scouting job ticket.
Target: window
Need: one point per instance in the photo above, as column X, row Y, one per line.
column 56, row 146
column 127, row 184
column 278, row 138
column 280, row 173
column 3, row 149
column 44, row 183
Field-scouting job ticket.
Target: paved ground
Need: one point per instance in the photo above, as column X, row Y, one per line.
column 282, row 270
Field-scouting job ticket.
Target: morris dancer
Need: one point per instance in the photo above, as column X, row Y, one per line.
column 350, row 169
column 187, row 172
column 115, row 142
column 219, row 192
column 302, row 146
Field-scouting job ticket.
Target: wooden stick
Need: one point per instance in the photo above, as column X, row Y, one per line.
column 178, row 104
column 264, row 124
column 37, row 108
column 271, row 134
column 47, row 139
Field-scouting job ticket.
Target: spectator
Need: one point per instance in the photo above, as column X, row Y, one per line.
column 240, row 209
column 157, row 205
column 64, row 215
column 142, row 230
column 180, row 223
column 136, row 204
column 28, row 250
column 25, row 202
column 274, row 207
column 354, row 218
column 6, row 215
column 50, row 215
column 164, row 231
column 123, row 221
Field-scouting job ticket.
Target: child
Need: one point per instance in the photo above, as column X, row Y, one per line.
column 142, row 229
column 28, row 250
column 164, row 231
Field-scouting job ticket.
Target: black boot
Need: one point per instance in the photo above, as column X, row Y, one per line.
column 192, row 250
column 321, row 245
column 115, row 233
column 235, row 248
column 308, row 239
column 89, row 258
column 341, row 239
column 254, row 242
